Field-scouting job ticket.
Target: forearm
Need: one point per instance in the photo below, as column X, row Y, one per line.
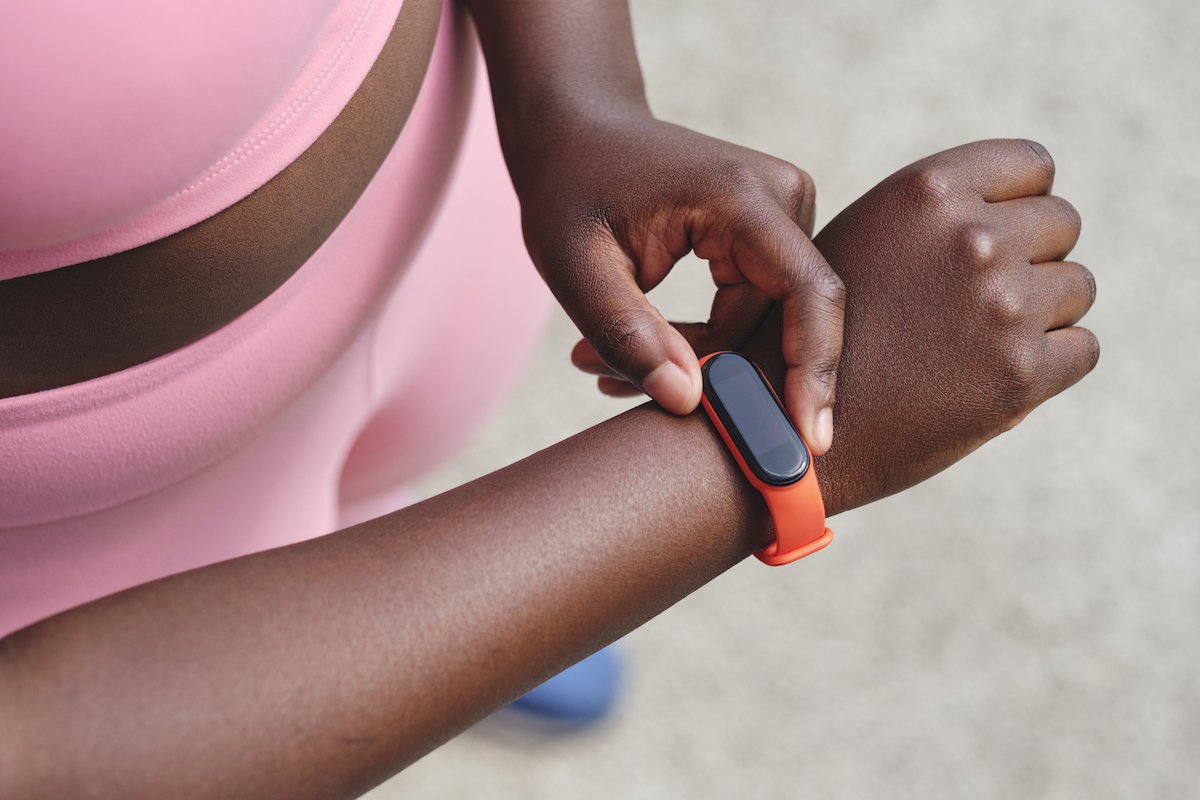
column 316, row 670
column 551, row 61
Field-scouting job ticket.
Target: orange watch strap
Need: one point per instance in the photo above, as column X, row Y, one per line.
column 799, row 515
column 797, row 509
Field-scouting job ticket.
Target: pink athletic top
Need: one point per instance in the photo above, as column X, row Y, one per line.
column 314, row 409
column 126, row 122
column 75, row 449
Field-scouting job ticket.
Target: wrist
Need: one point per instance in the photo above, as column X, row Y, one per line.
column 537, row 126
column 836, row 469
column 555, row 64
column 772, row 455
column 708, row 470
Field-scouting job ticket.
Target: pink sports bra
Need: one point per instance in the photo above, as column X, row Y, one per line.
column 112, row 138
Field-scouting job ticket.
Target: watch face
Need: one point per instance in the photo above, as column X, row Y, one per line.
column 756, row 422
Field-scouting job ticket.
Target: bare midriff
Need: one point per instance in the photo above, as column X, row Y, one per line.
column 87, row 320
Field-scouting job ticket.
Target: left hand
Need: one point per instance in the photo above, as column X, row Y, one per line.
column 610, row 205
column 962, row 317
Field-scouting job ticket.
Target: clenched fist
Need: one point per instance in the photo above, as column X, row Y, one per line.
column 960, row 314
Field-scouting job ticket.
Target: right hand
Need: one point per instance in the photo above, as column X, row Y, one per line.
column 960, row 314
column 609, row 209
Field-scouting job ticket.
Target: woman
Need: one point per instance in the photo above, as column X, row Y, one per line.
column 317, row 669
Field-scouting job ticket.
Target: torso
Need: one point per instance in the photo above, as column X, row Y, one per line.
column 87, row 320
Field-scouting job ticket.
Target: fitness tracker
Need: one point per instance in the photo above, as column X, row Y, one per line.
column 755, row 427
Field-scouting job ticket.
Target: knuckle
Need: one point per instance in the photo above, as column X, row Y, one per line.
column 618, row 338
column 929, row 183
column 1019, row 372
column 832, row 288
column 741, row 178
column 796, row 184
column 1013, row 421
column 822, row 282
column 976, row 246
column 1005, row 305
column 771, row 178
column 825, row 373
column 744, row 195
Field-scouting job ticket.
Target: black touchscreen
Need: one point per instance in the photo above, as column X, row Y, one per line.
column 755, row 420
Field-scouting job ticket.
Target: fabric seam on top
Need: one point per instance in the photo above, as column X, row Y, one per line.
column 288, row 114
column 317, row 93
column 291, row 112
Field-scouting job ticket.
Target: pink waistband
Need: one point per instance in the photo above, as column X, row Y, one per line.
column 126, row 122
column 93, row 445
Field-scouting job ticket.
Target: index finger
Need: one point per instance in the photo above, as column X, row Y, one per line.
column 775, row 255
column 997, row 169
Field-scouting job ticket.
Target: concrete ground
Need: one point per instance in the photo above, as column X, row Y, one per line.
column 1026, row 624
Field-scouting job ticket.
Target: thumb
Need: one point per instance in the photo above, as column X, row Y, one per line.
column 813, row 312
column 636, row 342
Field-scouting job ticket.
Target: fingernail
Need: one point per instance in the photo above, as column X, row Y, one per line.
column 670, row 387
column 823, row 430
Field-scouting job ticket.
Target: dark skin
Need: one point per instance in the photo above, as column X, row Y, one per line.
column 317, row 670
column 611, row 198
column 992, row 200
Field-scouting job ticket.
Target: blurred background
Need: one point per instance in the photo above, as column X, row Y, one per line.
column 1026, row 624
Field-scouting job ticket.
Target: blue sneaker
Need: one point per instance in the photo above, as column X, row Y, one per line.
column 579, row 695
